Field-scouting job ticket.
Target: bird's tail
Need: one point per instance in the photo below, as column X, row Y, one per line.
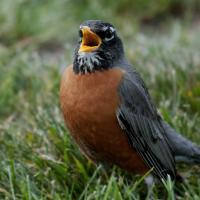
column 184, row 149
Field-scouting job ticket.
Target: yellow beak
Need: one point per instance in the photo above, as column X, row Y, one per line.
column 90, row 41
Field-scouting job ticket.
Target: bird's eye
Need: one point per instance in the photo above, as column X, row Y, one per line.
column 109, row 35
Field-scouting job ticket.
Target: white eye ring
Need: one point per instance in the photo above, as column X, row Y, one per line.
column 112, row 30
column 108, row 39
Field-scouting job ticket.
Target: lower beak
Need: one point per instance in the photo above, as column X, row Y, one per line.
column 90, row 41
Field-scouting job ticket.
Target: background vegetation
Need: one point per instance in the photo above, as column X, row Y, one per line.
column 38, row 159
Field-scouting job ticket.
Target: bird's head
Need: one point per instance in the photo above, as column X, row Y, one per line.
column 99, row 47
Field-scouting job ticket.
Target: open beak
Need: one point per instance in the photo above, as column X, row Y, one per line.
column 90, row 41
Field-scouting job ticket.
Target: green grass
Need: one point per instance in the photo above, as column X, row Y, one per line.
column 38, row 158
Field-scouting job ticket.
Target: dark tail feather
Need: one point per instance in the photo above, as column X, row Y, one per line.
column 184, row 149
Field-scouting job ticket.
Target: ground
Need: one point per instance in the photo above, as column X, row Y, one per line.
column 38, row 158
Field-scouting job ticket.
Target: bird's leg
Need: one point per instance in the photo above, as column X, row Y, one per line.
column 149, row 180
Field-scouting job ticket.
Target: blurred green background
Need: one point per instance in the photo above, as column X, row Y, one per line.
column 38, row 158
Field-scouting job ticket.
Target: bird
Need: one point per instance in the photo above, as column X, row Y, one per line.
column 109, row 112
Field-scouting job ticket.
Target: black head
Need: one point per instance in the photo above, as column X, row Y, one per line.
column 99, row 47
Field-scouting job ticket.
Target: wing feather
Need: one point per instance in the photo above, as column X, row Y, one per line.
column 142, row 125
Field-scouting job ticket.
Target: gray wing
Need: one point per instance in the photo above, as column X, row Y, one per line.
column 142, row 125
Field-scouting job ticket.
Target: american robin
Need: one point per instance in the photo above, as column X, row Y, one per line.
column 109, row 112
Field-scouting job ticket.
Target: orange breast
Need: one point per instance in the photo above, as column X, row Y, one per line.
column 89, row 103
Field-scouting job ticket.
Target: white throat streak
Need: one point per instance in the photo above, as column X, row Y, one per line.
column 88, row 60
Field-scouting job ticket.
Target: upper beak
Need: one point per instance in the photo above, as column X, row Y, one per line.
column 90, row 41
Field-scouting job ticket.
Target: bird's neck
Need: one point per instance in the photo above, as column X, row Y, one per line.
column 90, row 63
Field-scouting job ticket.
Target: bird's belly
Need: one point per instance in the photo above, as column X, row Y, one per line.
column 89, row 104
